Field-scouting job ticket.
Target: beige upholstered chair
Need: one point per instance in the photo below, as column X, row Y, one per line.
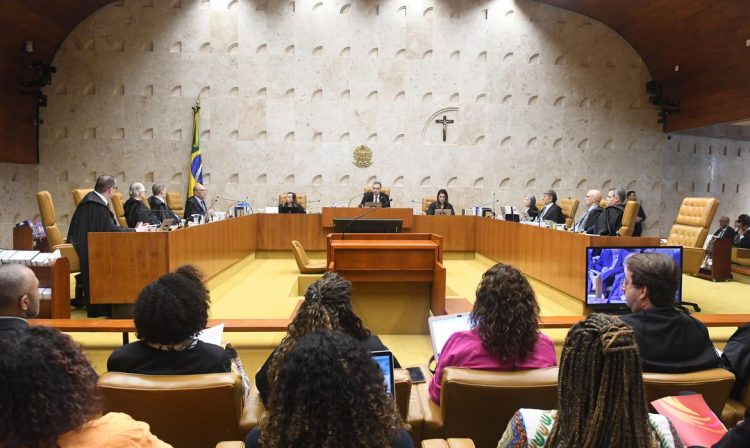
column 79, row 193
column 191, row 411
column 119, row 207
column 447, row 443
column 713, row 384
column 301, row 199
column 628, row 218
column 303, row 261
column 175, row 203
column 691, row 229
column 426, row 203
column 603, row 203
column 54, row 238
column 569, row 208
column 741, row 256
column 478, row 404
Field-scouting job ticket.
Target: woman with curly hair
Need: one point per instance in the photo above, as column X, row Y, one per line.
column 327, row 306
column 49, row 397
column 602, row 401
column 505, row 330
column 169, row 313
column 329, row 393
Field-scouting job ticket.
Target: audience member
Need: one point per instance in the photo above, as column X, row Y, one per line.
column 593, row 210
column 724, row 231
column 638, row 229
column 327, row 306
column 610, row 220
column 736, row 358
column 737, row 437
column 601, row 397
column 19, row 297
column 505, row 333
column 551, row 211
column 530, row 210
column 670, row 340
column 441, row 203
column 290, row 204
column 329, row 393
column 196, row 204
column 741, row 239
column 49, row 397
column 135, row 209
column 169, row 313
column 158, row 204
column 375, row 196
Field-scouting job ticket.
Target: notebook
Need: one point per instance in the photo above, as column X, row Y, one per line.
column 384, row 359
column 442, row 327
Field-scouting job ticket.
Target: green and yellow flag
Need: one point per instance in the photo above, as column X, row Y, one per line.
column 196, row 164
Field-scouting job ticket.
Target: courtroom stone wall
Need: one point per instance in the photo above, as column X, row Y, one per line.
column 540, row 98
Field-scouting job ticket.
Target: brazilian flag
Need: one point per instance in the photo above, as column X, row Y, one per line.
column 196, row 164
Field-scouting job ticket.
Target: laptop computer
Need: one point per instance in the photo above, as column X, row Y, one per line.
column 373, row 204
column 442, row 211
column 165, row 225
column 442, row 327
column 384, row 360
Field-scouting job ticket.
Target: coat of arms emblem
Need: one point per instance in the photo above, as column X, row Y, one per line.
column 362, row 156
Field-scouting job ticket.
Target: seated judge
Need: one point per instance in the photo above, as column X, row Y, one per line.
column 169, row 314
column 196, row 204
column 551, row 211
column 638, row 230
column 670, row 341
column 135, row 210
column 610, row 220
column 593, row 210
column 741, row 237
column 19, row 297
column 158, row 204
column 290, row 204
column 530, row 211
column 724, row 231
column 441, row 203
column 376, row 196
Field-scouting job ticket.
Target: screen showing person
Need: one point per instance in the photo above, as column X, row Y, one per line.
column 384, row 359
column 605, row 273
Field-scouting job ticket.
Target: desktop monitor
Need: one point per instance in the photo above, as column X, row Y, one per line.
column 605, row 273
column 354, row 225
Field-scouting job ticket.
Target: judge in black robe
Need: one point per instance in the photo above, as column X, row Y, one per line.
column 196, row 204
column 551, row 211
column 161, row 211
column 638, row 229
column 370, row 197
column 93, row 215
column 136, row 211
column 610, row 221
column 724, row 230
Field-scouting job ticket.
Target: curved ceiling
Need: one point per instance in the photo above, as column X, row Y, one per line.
column 708, row 39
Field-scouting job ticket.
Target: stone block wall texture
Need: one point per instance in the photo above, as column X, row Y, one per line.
column 540, row 98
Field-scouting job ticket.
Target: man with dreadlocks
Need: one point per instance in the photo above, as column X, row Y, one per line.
column 602, row 401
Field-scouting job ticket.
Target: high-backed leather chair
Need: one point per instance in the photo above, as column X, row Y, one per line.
column 191, row 411
column 691, row 229
column 301, row 199
column 54, row 238
column 119, row 207
column 426, row 203
column 569, row 208
column 303, row 261
column 79, row 193
column 385, row 190
column 628, row 218
column 175, row 203
column 478, row 404
column 713, row 384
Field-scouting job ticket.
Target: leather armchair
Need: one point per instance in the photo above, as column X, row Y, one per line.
column 79, row 193
column 119, row 207
column 741, row 256
column 569, row 207
column 305, row 265
column 628, row 218
column 713, row 384
column 54, row 238
column 301, row 199
column 191, row 411
column 175, row 203
column 426, row 203
column 478, row 404
column 691, row 229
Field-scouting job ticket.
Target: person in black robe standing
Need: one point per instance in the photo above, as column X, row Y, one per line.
column 93, row 214
column 638, row 229
column 135, row 209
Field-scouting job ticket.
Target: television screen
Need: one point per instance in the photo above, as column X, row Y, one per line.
column 354, row 225
column 605, row 273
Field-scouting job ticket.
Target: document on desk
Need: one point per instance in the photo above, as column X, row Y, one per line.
column 212, row 335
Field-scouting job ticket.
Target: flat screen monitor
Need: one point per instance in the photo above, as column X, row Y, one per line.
column 605, row 273
column 353, row 225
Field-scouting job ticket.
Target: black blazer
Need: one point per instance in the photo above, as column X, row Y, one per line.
column 161, row 211
column 728, row 234
column 591, row 218
column 554, row 213
column 193, row 207
column 294, row 208
column 136, row 211
column 368, row 197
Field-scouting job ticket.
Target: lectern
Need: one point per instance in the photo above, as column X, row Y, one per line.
column 398, row 279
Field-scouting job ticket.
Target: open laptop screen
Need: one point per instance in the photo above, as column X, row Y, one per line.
column 442, row 327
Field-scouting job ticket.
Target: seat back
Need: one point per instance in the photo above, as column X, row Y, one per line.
column 478, row 404
column 79, row 194
column 692, row 223
column 385, row 190
column 119, row 208
column 426, row 201
column 175, row 203
column 301, row 199
column 182, row 410
column 569, row 208
column 628, row 218
column 713, row 384
column 47, row 212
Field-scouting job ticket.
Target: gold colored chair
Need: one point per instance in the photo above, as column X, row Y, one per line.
column 175, row 203
column 691, row 229
column 119, row 208
column 478, row 404
column 78, row 194
column 448, row 443
column 191, row 411
column 301, row 199
column 713, row 384
column 426, row 203
column 54, row 238
column 628, row 218
column 569, row 208
column 303, row 261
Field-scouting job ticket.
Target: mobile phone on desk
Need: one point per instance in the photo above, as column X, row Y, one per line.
column 416, row 375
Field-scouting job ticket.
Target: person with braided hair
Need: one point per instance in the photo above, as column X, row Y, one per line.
column 601, row 397
column 505, row 334
column 327, row 306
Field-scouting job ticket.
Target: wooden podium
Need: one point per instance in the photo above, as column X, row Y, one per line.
column 720, row 269
column 398, row 279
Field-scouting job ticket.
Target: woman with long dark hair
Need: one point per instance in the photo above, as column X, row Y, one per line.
column 441, row 203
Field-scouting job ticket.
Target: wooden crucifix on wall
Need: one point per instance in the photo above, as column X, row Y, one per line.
column 445, row 122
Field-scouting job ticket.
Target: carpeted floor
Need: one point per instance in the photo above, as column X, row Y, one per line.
column 266, row 285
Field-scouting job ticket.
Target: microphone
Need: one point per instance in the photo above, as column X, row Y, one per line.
column 349, row 204
column 355, row 219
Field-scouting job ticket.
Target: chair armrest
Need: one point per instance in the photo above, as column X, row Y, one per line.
column 252, row 411
column 733, row 412
column 433, row 417
column 692, row 258
column 68, row 251
column 232, row 444
column 450, row 443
